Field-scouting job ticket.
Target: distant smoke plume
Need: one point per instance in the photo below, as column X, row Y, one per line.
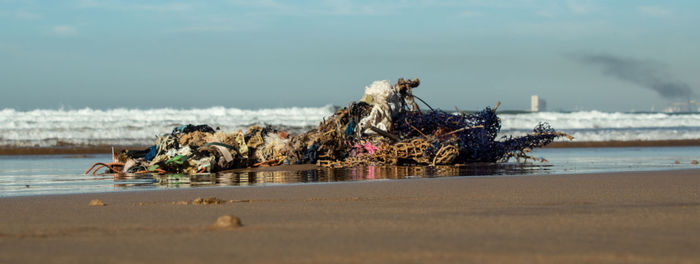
column 646, row 74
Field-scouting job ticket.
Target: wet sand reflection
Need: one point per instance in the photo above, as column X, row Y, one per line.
column 320, row 175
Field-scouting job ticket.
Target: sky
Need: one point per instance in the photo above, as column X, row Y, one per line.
column 577, row 55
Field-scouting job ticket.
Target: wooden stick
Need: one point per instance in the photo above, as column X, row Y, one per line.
column 108, row 165
column 265, row 162
column 416, row 129
column 561, row 134
column 462, row 129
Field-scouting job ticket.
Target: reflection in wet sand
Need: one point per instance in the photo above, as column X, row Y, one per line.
column 320, row 175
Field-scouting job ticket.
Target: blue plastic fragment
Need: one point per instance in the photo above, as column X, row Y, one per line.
column 151, row 153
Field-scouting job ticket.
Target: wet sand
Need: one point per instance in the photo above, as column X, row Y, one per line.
column 633, row 217
column 104, row 149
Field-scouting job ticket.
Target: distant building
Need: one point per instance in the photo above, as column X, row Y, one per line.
column 537, row 104
column 683, row 107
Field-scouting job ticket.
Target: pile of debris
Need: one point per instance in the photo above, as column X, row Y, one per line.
column 386, row 127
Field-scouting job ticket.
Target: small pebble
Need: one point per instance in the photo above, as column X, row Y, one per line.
column 694, row 162
column 97, row 202
column 227, row 222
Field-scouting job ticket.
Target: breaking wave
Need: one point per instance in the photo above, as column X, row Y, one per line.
column 43, row 127
column 139, row 127
column 603, row 126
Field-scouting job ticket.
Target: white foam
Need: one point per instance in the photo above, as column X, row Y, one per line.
column 122, row 126
column 595, row 120
column 45, row 127
column 602, row 126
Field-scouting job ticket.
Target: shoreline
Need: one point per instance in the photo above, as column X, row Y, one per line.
column 618, row 144
column 641, row 217
column 106, row 149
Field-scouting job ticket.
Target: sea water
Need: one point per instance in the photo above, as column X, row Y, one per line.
column 47, row 127
column 63, row 174
column 57, row 174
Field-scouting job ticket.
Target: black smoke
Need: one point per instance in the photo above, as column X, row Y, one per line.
column 644, row 73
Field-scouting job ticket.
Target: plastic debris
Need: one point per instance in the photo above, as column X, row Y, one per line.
column 386, row 127
column 385, row 102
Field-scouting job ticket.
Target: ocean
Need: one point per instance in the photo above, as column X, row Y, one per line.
column 61, row 174
column 47, row 127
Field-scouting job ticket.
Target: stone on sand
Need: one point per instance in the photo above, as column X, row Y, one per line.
column 97, row 202
column 227, row 222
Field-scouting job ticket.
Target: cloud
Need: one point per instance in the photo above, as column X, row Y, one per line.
column 643, row 73
column 267, row 4
column 545, row 13
column 209, row 29
column 654, row 11
column 89, row 3
column 579, row 7
column 468, row 13
column 27, row 15
column 133, row 6
column 64, row 30
column 344, row 7
column 172, row 7
column 322, row 7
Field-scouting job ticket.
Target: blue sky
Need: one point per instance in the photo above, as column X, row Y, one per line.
column 260, row 54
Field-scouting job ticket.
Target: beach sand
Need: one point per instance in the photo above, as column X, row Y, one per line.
column 631, row 217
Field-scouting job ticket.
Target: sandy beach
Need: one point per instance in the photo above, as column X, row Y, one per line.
column 640, row 217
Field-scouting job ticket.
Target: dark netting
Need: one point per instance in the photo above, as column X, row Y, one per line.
column 517, row 147
column 416, row 124
column 474, row 134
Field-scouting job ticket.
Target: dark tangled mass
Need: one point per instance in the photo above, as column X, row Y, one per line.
column 386, row 127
